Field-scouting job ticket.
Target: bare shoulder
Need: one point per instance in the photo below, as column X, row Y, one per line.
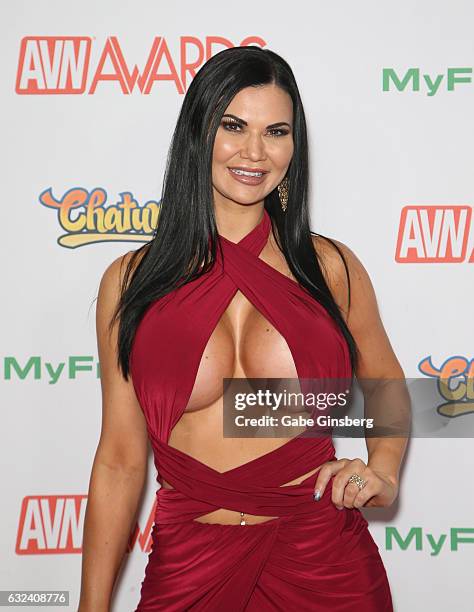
column 120, row 271
column 341, row 268
column 345, row 274
column 114, row 279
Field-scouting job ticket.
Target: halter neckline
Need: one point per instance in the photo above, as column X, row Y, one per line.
column 256, row 238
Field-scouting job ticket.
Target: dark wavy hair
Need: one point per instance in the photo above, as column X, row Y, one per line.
column 186, row 238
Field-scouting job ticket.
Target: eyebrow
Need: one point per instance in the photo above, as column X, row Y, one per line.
column 273, row 125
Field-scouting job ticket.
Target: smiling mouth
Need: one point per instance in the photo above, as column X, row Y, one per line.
column 240, row 172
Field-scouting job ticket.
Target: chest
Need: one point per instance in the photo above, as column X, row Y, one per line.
column 210, row 329
column 244, row 344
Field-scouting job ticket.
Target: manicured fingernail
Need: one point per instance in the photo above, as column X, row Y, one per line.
column 339, row 507
column 317, row 495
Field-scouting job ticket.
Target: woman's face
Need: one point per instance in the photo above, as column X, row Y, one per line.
column 255, row 135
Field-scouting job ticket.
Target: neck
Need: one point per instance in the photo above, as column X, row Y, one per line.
column 236, row 222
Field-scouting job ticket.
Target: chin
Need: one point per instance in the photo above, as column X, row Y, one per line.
column 247, row 196
column 247, row 201
column 242, row 196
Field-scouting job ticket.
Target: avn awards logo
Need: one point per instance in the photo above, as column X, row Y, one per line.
column 63, row 64
column 53, row 524
column 435, row 234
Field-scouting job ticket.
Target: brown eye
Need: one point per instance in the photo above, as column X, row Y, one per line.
column 229, row 125
column 280, row 132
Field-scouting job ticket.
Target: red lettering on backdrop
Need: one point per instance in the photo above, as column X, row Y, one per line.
column 219, row 40
column 154, row 48
column 60, row 64
column 186, row 64
column 216, row 40
column 121, row 72
column 53, row 64
column 156, row 76
column 126, row 79
column 253, row 40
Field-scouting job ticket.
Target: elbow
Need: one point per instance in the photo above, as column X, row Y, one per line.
column 129, row 463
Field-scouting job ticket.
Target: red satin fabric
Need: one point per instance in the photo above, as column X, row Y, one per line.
column 313, row 556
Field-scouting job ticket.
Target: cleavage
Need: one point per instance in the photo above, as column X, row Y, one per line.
column 244, row 344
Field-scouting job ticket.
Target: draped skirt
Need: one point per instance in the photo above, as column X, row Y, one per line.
column 319, row 560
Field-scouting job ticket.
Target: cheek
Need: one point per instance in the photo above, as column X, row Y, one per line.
column 223, row 149
column 282, row 154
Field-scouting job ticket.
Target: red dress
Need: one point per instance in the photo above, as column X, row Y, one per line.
column 313, row 556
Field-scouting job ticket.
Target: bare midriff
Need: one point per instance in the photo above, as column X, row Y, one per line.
column 199, row 434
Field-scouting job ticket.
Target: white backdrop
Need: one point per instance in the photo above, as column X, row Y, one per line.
column 373, row 153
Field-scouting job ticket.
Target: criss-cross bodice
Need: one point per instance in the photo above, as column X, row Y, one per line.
column 166, row 353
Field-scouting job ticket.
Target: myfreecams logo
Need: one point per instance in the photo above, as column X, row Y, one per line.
column 415, row 80
column 35, row 367
column 418, row 539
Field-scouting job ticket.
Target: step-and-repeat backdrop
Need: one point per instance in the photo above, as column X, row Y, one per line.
column 90, row 95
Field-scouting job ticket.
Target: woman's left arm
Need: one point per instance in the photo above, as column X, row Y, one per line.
column 377, row 369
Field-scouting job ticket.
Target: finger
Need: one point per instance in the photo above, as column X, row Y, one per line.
column 352, row 490
column 340, row 497
column 371, row 488
column 362, row 498
column 325, row 474
column 351, row 493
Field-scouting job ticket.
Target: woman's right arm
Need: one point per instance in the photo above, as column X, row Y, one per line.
column 120, row 463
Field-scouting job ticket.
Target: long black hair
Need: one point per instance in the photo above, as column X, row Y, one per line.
column 186, row 238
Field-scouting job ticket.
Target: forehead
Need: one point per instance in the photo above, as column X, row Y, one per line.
column 263, row 104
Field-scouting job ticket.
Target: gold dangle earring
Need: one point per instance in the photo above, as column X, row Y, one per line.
column 283, row 193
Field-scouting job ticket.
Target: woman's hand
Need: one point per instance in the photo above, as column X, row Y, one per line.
column 380, row 489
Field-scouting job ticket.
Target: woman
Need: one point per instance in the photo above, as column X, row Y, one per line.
column 241, row 523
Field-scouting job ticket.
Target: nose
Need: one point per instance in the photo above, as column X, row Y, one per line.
column 253, row 147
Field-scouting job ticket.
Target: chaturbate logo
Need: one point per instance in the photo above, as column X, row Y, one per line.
column 84, row 218
column 455, row 384
column 435, row 234
column 53, row 524
column 429, row 84
column 65, row 64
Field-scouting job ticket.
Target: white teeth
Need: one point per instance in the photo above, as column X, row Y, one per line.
column 245, row 173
